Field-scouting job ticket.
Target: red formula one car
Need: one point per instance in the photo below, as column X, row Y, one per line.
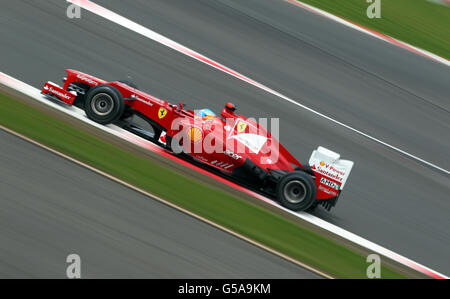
column 232, row 145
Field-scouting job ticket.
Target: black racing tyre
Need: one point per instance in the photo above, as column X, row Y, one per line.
column 312, row 207
column 296, row 191
column 129, row 83
column 104, row 104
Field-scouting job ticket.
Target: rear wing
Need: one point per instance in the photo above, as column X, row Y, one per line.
column 329, row 164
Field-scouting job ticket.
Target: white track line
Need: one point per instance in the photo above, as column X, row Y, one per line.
column 371, row 32
column 120, row 20
column 79, row 114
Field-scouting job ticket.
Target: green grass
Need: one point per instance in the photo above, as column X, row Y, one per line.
column 418, row 22
column 239, row 215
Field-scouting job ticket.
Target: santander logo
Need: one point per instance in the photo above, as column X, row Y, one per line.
column 58, row 93
column 330, row 171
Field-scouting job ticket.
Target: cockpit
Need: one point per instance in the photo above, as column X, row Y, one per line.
column 204, row 114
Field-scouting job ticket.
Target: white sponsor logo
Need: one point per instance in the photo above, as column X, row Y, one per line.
column 232, row 155
column 330, row 171
column 222, row 164
column 329, row 183
column 327, row 191
column 86, row 79
column 136, row 97
column 58, row 93
column 202, row 158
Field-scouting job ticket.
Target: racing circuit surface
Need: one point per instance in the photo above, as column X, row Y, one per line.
column 396, row 96
column 51, row 207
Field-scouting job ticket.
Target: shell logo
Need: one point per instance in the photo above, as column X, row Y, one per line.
column 195, row 134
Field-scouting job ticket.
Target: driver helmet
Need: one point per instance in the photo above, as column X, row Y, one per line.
column 205, row 114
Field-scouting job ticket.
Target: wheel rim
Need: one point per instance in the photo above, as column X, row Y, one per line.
column 295, row 191
column 102, row 104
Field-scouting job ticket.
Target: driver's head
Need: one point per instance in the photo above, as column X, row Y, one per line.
column 205, row 113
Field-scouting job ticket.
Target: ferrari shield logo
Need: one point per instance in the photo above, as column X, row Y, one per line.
column 241, row 126
column 162, row 112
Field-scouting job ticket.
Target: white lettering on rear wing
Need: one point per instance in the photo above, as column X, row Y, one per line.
column 330, row 165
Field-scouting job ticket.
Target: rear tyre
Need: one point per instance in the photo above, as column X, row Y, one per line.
column 296, row 191
column 104, row 104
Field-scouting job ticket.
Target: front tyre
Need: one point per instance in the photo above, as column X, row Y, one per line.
column 104, row 104
column 296, row 191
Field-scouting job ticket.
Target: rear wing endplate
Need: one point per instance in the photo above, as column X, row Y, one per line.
column 329, row 164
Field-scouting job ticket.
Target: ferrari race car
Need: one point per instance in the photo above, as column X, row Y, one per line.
column 232, row 145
